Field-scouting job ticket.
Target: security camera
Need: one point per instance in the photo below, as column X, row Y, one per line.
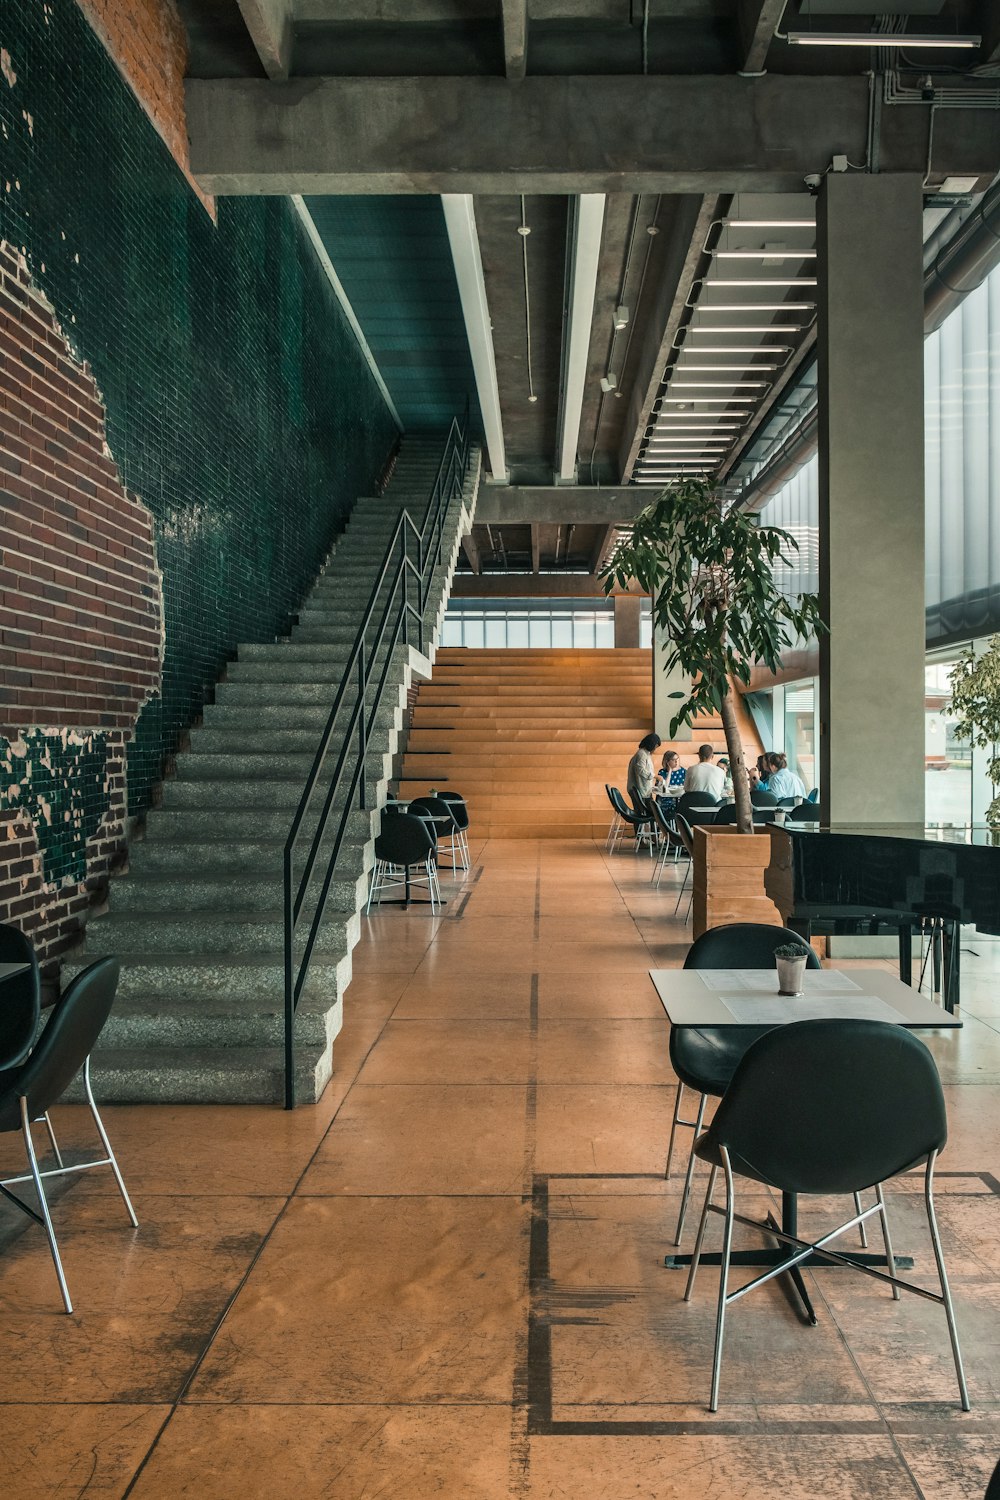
column 813, row 181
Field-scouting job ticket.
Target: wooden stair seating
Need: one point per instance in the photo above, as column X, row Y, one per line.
column 531, row 737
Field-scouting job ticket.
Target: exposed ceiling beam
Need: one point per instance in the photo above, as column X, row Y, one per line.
column 759, row 20
column 436, row 12
column 269, row 23
column 527, row 586
column 991, row 33
column 601, row 546
column 682, row 239
column 558, row 135
column 536, row 548
column 473, row 555
column 515, row 36
column 562, row 505
column 586, row 227
column 460, row 220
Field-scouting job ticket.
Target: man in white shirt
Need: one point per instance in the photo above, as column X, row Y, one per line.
column 705, row 777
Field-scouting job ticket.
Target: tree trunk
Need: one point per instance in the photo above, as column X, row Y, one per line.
column 737, row 763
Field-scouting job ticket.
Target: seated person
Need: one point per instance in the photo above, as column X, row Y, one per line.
column 723, row 764
column 781, row 782
column 705, row 776
column 670, row 782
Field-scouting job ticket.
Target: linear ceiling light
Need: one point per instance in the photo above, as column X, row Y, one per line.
column 702, row 350
column 718, row 385
column 711, row 369
column 765, row 254
column 753, row 307
column 460, row 221
column 761, row 281
column 907, row 39
column 723, row 406
column 752, row 328
column 585, row 230
column 770, row 223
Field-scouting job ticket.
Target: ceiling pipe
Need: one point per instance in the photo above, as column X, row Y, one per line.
column 586, row 231
column 958, row 268
column 460, row 220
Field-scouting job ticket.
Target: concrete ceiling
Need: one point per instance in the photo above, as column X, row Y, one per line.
column 682, row 118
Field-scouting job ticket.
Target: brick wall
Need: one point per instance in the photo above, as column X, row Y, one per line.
column 146, row 38
column 186, row 423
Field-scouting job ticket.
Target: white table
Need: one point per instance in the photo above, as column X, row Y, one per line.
column 690, row 1001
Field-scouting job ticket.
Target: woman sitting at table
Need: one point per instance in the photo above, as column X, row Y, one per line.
column 670, row 781
column 780, row 781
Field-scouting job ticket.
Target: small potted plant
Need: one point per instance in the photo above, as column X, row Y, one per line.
column 791, row 959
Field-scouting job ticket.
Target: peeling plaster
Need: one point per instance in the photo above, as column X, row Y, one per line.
column 7, row 67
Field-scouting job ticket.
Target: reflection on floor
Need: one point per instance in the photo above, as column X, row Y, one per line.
column 447, row 1279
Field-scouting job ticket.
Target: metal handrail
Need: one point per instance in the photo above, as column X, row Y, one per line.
column 407, row 572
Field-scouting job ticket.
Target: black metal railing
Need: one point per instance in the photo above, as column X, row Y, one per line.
column 412, row 555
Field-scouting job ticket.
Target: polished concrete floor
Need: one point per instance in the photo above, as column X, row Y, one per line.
column 448, row 1280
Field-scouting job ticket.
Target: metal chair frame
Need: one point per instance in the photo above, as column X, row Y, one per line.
column 387, row 876
column 804, row 1249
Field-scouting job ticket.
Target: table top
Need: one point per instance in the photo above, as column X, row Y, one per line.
column 7, row 971
column 694, row 997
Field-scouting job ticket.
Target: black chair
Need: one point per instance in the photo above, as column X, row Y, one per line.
column 706, row 1057
column 20, row 998
column 827, row 1107
column 696, row 816
column 689, row 802
column 789, row 802
column 683, row 828
column 28, row 1092
column 762, row 799
column 728, row 814
column 993, row 1488
column 616, row 819
column 670, row 841
column 405, row 843
column 458, row 807
column 807, row 812
column 640, row 822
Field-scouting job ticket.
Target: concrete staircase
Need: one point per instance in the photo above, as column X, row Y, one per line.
column 197, row 921
column 531, row 737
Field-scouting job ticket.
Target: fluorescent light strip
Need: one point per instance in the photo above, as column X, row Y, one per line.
column 905, row 40
column 718, row 385
column 735, row 349
column 753, row 328
column 770, row 223
column 703, row 401
column 759, row 281
column 711, row 369
column 765, row 254
column 754, row 307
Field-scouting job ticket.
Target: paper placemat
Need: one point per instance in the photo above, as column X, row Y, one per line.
column 765, row 981
column 762, row 1010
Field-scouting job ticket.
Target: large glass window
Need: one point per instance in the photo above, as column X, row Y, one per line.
column 517, row 623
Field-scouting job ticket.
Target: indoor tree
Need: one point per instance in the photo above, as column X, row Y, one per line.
column 975, row 702
column 708, row 569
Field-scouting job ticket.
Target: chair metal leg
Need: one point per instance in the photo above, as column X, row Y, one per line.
column 943, row 1278
column 112, row 1159
column 727, row 1247
column 680, row 893
column 700, row 1240
column 673, row 1130
column 43, row 1204
column 886, row 1237
column 689, row 1178
column 52, row 1139
column 862, row 1231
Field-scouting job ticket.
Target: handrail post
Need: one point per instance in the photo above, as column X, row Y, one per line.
column 362, row 724
column 404, row 553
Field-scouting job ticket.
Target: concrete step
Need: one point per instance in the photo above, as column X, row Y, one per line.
column 254, row 980
column 211, row 891
column 218, row 932
column 221, row 795
column 192, row 1075
column 236, row 824
column 261, row 768
column 211, row 860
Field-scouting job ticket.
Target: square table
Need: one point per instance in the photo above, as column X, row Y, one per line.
column 698, row 997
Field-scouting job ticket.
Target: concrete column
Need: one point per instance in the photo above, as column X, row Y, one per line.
column 664, row 707
column 871, row 497
column 628, row 610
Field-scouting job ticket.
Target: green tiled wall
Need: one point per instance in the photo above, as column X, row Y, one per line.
column 239, row 408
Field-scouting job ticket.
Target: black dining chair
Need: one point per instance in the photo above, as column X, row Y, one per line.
column 20, row 997
column 405, row 844
column 670, row 841
column 683, row 828
column 993, row 1488
column 28, row 1092
column 640, row 822
column 760, row 798
column 727, row 814
column 459, row 809
column 806, row 812
column 706, row 1057
column 616, row 819
column 826, row 1107
column 689, row 802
